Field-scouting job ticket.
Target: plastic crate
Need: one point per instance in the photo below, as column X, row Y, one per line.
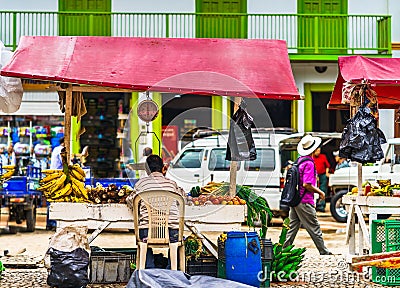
column 385, row 235
column 109, row 267
column 205, row 265
column 221, row 271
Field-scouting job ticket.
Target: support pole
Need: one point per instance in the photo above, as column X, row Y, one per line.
column 353, row 111
column 67, row 122
column 234, row 164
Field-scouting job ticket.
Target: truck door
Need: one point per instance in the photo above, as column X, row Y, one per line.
column 260, row 172
column 217, row 167
column 187, row 169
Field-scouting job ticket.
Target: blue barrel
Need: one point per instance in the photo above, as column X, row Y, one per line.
column 243, row 257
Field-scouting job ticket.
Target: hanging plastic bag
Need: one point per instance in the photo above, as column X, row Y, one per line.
column 241, row 145
column 11, row 90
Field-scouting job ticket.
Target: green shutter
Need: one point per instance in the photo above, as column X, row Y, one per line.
column 324, row 35
column 221, row 25
column 78, row 24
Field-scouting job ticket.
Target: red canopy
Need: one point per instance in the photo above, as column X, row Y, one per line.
column 383, row 73
column 234, row 67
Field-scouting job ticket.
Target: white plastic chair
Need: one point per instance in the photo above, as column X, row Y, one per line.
column 158, row 204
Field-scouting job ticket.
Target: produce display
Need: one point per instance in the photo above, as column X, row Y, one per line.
column 65, row 185
column 9, row 171
column 194, row 248
column 109, row 194
column 286, row 260
column 217, row 193
column 378, row 188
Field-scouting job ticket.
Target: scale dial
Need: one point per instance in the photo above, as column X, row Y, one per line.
column 147, row 110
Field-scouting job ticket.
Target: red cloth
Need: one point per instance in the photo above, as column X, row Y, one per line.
column 321, row 163
column 382, row 73
column 232, row 67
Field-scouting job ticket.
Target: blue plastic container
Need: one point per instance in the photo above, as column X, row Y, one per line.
column 243, row 257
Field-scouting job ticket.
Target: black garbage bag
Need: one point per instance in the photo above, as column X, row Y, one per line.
column 241, row 145
column 361, row 138
column 68, row 269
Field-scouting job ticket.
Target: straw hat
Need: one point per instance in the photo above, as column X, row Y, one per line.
column 308, row 144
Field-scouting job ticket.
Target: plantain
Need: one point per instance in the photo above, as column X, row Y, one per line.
column 59, row 184
column 78, row 169
column 46, row 186
column 9, row 167
column 8, row 174
column 50, row 171
column 75, row 174
column 50, row 177
column 79, row 189
column 63, row 192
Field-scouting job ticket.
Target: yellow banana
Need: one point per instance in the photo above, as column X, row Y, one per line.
column 78, row 169
column 65, row 191
column 50, row 171
column 59, row 184
column 8, row 174
column 53, row 176
column 75, row 174
column 79, row 189
column 8, row 167
column 47, row 186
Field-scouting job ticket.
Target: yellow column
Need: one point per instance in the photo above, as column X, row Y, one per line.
column 295, row 115
column 308, row 119
column 75, row 128
column 216, row 112
column 134, row 125
column 157, row 125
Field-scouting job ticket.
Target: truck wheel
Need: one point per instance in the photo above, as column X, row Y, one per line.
column 337, row 208
column 30, row 216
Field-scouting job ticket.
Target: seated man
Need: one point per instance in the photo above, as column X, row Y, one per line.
column 155, row 181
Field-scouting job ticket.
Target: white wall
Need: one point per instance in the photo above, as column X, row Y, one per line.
column 153, row 6
column 272, row 6
column 25, row 5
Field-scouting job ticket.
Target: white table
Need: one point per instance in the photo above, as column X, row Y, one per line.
column 120, row 216
column 365, row 205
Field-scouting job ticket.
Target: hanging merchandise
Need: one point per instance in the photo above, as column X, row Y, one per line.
column 361, row 138
column 240, row 141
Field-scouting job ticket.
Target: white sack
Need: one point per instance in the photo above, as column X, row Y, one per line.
column 10, row 88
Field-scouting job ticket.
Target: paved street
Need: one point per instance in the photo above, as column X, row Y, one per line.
column 36, row 245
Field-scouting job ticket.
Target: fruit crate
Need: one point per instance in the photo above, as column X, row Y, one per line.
column 385, row 235
column 110, row 266
column 204, row 265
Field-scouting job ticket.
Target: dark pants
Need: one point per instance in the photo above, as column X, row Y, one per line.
column 323, row 185
column 173, row 238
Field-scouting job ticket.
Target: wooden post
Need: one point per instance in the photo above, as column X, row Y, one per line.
column 67, row 122
column 353, row 111
column 234, row 164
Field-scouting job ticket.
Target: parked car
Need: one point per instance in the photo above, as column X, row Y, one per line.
column 344, row 179
column 203, row 160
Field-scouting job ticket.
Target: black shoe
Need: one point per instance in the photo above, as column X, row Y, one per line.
column 329, row 253
column 320, row 209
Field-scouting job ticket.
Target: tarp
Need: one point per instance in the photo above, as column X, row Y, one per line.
column 162, row 278
column 382, row 73
column 234, row 67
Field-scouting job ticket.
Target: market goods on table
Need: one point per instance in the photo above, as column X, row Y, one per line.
column 110, row 194
column 10, row 170
column 378, row 188
column 286, row 260
column 217, row 193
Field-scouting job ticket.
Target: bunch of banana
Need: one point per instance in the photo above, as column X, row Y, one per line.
column 285, row 259
column 10, row 170
column 58, row 186
column 53, row 185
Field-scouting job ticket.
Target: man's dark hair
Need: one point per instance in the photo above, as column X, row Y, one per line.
column 154, row 163
column 61, row 140
column 147, row 151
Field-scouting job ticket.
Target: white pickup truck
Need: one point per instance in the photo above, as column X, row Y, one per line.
column 345, row 178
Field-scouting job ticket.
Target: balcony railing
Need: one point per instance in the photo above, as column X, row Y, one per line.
column 317, row 34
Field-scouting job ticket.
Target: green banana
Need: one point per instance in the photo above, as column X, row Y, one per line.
column 287, row 248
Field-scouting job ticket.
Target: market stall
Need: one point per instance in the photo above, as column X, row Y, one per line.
column 375, row 79
column 118, row 64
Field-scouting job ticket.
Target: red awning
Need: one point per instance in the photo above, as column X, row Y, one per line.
column 234, row 67
column 382, row 73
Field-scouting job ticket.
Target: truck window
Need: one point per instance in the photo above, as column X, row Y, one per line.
column 217, row 160
column 265, row 161
column 190, row 158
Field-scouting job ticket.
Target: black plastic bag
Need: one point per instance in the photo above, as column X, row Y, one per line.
column 362, row 139
column 240, row 141
column 68, row 269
